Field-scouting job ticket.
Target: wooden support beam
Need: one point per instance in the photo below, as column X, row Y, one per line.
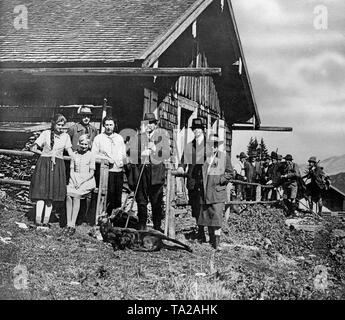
column 250, row 202
column 333, row 213
column 116, row 71
column 29, row 154
column 268, row 186
column 169, row 229
column 15, row 182
column 171, row 217
column 167, row 203
column 258, row 193
column 24, row 127
column 261, row 128
column 102, row 190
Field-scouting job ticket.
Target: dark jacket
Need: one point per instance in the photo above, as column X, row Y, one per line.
column 274, row 173
column 194, row 156
column 252, row 172
column 155, row 160
column 292, row 172
column 77, row 130
column 317, row 177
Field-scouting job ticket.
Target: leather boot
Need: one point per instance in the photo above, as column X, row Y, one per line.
column 216, row 242
column 211, row 234
column 201, row 234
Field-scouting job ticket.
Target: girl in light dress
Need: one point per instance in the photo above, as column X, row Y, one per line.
column 48, row 182
column 81, row 182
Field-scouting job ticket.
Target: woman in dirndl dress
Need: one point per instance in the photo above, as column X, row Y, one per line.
column 48, row 182
column 81, row 181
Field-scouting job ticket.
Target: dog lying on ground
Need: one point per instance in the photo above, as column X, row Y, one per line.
column 119, row 218
column 139, row 240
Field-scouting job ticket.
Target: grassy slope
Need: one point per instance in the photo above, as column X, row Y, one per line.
column 81, row 267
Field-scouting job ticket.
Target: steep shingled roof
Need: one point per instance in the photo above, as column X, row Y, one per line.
column 62, row 31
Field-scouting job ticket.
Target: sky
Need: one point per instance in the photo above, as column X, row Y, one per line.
column 295, row 54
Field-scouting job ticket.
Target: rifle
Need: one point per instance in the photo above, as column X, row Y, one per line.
column 306, row 175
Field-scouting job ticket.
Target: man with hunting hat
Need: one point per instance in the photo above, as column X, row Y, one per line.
column 149, row 171
column 318, row 184
column 289, row 176
column 82, row 127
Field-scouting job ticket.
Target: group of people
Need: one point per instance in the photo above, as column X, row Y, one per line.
column 204, row 162
column 84, row 144
column 208, row 171
column 282, row 178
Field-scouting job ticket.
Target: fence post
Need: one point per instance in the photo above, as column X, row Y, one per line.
column 258, row 193
column 167, row 202
column 171, row 224
column 102, row 189
column 169, row 229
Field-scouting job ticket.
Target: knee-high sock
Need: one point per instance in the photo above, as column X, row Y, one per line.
column 69, row 208
column 75, row 211
column 39, row 211
column 48, row 211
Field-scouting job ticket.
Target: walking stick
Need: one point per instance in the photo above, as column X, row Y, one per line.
column 313, row 212
column 135, row 192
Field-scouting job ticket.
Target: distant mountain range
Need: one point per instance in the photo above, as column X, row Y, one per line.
column 334, row 165
column 338, row 181
column 335, row 168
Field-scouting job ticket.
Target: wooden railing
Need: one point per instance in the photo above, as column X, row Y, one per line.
column 170, row 189
column 103, row 188
column 103, row 179
column 258, row 195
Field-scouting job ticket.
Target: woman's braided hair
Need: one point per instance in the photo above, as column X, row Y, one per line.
column 56, row 119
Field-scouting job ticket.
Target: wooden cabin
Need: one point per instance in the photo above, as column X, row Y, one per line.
column 179, row 59
column 335, row 200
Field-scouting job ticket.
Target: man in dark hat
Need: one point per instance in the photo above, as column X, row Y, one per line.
column 252, row 170
column 290, row 174
column 264, row 175
column 82, row 127
column 240, row 174
column 273, row 177
column 154, row 149
column 318, row 184
column 194, row 156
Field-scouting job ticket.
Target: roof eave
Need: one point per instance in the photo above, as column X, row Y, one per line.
column 151, row 54
column 246, row 81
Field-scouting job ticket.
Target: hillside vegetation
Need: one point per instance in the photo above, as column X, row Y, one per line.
column 262, row 258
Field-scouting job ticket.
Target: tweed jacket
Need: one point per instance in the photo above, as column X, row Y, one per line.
column 216, row 176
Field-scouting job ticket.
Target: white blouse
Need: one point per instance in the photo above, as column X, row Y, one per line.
column 61, row 142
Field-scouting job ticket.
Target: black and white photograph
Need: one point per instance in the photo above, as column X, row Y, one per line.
column 172, row 154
